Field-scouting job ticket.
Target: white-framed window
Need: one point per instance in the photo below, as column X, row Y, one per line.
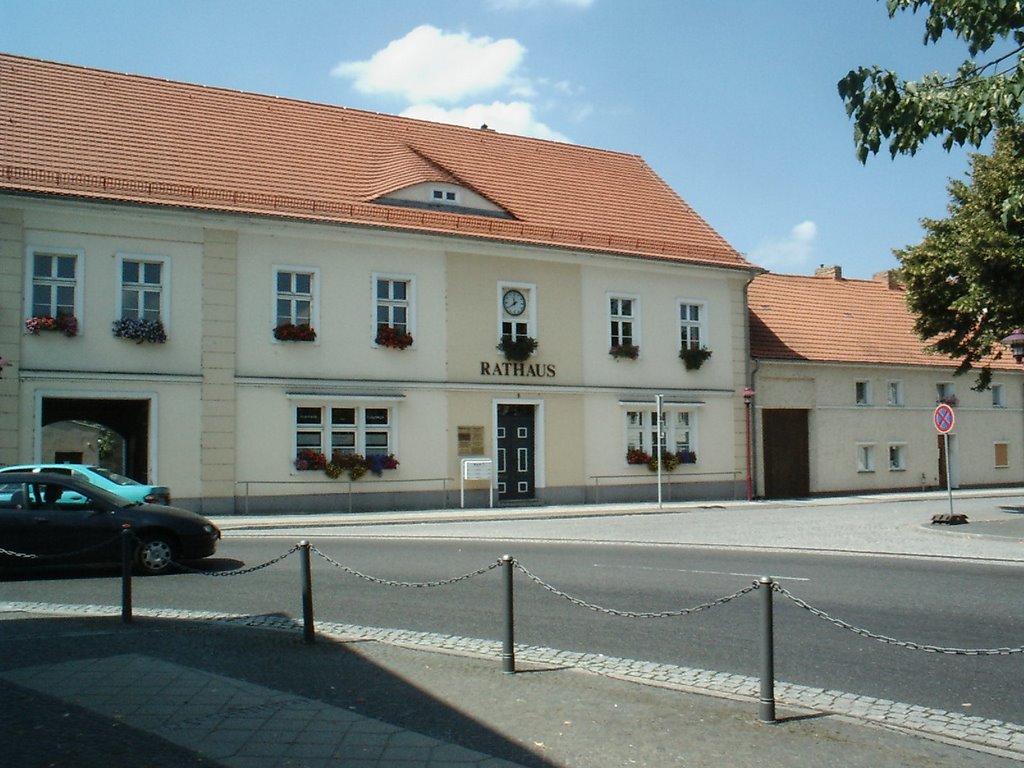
column 623, row 320
column 692, row 324
column 945, row 392
column 680, row 433
column 296, row 292
column 345, row 429
column 894, row 393
column 517, row 310
column 144, row 292
column 998, row 396
column 865, row 457
column 444, row 195
column 55, row 283
column 393, row 300
column 862, row 392
column 897, row 457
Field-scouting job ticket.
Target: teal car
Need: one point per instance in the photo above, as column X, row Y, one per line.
column 123, row 486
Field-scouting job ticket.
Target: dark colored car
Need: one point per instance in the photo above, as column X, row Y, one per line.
column 35, row 521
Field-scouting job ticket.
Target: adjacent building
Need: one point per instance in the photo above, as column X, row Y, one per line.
column 846, row 395
column 268, row 304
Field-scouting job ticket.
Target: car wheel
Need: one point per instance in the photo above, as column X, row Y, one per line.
column 155, row 555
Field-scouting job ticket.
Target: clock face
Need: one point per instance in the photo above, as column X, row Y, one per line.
column 514, row 302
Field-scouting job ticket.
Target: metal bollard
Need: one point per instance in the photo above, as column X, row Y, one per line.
column 127, row 547
column 766, row 710
column 308, row 633
column 508, row 652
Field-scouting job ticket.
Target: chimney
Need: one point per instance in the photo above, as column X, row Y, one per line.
column 834, row 272
column 887, row 278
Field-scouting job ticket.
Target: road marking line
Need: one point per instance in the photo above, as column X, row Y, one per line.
column 693, row 570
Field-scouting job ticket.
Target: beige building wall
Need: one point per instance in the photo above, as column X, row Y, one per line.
column 839, row 427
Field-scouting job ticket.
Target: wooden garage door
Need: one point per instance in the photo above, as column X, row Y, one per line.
column 786, row 457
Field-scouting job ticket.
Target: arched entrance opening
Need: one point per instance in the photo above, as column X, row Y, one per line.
column 90, row 430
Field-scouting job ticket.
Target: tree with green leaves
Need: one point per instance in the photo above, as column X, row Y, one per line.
column 965, row 280
column 964, row 107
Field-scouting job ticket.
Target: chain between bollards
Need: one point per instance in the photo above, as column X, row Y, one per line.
column 308, row 633
column 127, row 552
column 766, row 708
column 508, row 652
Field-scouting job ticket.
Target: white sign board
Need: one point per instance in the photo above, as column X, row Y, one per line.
column 477, row 468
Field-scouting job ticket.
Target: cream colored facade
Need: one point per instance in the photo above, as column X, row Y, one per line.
column 220, row 410
column 871, row 428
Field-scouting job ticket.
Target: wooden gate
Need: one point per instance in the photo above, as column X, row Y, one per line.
column 787, row 471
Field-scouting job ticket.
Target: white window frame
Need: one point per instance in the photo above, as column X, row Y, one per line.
column 865, row 457
column 701, row 324
column 998, row 396
column 164, row 287
column 529, row 317
column 445, row 195
column 944, row 390
column 409, row 303
column 326, row 428
column 78, row 282
column 314, row 308
column 865, row 386
column 618, row 318
column 894, row 393
column 897, row 457
column 646, row 432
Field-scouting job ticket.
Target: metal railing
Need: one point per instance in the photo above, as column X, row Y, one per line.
column 332, row 487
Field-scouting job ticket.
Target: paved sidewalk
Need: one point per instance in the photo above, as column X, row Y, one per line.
column 186, row 688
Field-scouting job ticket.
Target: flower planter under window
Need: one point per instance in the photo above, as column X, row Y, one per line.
column 392, row 338
column 66, row 324
column 517, row 349
column 353, row 464
column 291, row 332
column 694, row 358
column 669, row 460
column 140, row 330
column 624, row 351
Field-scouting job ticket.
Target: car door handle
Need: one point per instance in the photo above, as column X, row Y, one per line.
column 41, row 520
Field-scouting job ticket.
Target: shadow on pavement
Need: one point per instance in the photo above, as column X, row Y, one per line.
column 36, row 729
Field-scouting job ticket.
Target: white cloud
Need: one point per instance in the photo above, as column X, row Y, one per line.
column 790, row 254
column 516, row 117
column 429, row 65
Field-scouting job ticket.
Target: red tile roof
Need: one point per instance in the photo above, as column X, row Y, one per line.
column 837, row 320
column 88, row 133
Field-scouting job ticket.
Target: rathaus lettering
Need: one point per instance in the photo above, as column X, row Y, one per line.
column 532, row 370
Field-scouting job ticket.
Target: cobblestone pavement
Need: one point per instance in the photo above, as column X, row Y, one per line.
column 994, row 737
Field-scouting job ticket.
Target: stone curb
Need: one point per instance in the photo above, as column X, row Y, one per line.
column 982, row 734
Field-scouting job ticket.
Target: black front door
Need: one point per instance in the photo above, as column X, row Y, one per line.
column 515, row 452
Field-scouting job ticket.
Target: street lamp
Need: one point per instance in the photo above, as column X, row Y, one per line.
column 1015, row 341
column 748, row 397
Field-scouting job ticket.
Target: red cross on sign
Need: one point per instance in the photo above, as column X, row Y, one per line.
column 944, row 418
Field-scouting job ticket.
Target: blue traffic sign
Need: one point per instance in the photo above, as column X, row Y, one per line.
column 944, row 418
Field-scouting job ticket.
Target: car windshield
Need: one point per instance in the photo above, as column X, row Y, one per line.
column 113, row 476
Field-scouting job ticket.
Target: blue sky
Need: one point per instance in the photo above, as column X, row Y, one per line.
column 732, row 102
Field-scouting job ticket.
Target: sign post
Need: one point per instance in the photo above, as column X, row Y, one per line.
column 659, row 402
column 944, row 419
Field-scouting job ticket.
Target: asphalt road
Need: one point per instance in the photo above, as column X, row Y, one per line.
column 945, row 603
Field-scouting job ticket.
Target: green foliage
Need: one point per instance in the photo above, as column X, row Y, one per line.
column 963, row 108
column 965, row 279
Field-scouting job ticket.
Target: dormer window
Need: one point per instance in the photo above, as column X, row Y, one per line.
column 445, row 196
